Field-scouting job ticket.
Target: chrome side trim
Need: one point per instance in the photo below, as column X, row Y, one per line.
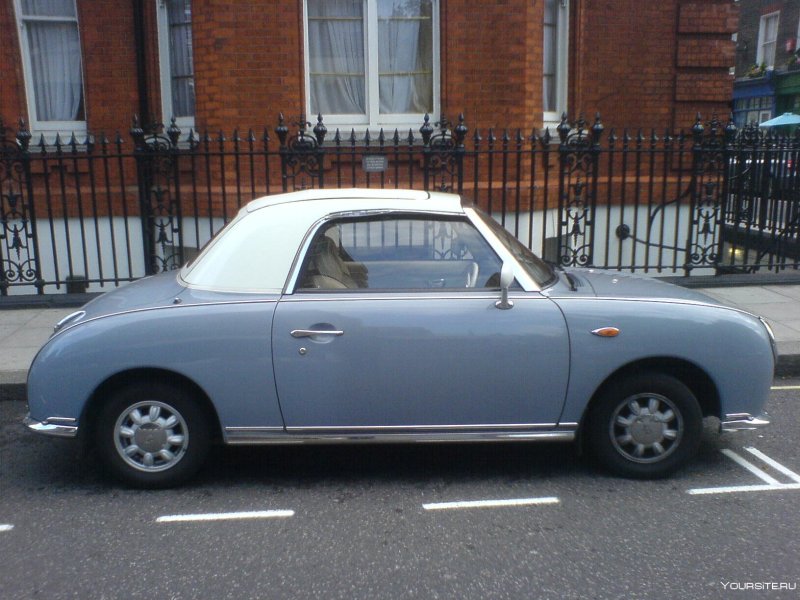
column 270, row 435
column 55, row 426
column 743, row 422
column 170, row 306
column 420, row 428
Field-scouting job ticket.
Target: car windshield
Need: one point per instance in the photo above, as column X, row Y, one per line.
column 542, row 273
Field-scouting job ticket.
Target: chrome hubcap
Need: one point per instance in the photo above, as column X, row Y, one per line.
column 646, row 428
column 151, row 436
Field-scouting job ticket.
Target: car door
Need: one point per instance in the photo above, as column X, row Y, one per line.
column 393, row 325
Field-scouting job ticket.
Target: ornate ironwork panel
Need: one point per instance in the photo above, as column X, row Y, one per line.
column 159, row 197
column 302, row 155
column 577, row 190
column 19, row 261
column 710, row 171
column 444, row 154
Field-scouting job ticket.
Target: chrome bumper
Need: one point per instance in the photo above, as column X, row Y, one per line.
column 56, row 426
column 744, row 422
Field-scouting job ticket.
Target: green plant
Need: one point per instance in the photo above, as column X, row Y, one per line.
column 757, row 70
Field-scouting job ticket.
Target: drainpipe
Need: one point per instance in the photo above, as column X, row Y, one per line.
column 141, row 63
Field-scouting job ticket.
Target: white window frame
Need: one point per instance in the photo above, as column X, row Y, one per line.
column 373, row 119
column 762, row 30
column 797, row 38
column 552, row 118
column 165, row 71
column 48, row 129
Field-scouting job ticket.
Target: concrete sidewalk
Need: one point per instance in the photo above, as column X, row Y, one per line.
column 24, row 330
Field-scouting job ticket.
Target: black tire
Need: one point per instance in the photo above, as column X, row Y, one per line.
column 644, row 426
column 152, row 435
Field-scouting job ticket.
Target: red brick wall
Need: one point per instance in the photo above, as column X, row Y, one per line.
column 12, row 97
column 492, row 61
column 641, row 64
column 109, row 63
column 703, row 83
column 653, row 64
column 248, row 62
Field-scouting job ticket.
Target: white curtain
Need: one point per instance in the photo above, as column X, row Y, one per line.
column 179, row 16
column 405, row 56
column 55, row 56
column 336, row 56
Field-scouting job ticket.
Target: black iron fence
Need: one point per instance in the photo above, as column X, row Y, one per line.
column 96, row 212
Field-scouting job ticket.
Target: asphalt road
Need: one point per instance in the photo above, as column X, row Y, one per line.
column 355, row 523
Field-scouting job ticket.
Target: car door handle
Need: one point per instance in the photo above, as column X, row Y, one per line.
column 303, row 333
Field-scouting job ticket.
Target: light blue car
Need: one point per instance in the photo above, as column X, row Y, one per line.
column 393, row 316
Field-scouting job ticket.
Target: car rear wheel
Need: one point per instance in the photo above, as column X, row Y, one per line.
column 644, row 426
column 152, row 435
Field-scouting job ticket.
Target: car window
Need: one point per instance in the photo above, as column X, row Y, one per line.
column 399, row 253
column 542, row 273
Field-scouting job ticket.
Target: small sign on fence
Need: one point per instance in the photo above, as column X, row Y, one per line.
column 374, row 163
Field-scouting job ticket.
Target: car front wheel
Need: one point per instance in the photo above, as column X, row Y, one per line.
column 152, row 435
column 644, row 426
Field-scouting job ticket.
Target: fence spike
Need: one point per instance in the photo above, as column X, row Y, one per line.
column 282, row 130
column 23, row 134
column 426, row 130
column 563, row 128
column 320, row 131
column 597, row 129
column 460, row 131
column 173, row 132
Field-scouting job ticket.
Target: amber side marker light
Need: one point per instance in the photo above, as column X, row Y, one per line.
column 606, row 332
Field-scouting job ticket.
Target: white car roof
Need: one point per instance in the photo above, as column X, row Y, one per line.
column 278, row 233
column 356, row 199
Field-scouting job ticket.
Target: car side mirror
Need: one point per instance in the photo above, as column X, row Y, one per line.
column 506, row 279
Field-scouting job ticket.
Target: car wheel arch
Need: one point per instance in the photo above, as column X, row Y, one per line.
column 122, row 379
column 692, row 376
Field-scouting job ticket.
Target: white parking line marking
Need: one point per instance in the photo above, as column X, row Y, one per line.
column 744, row 488
column 750, row 467
column 490, row 503
column 6, row 527
column 785, row 387
column 773, row 463
column 256, row 514
column 771, row 485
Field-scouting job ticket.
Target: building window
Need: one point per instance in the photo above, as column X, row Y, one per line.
column 176, row 61
column 51, row 56
column 767, row 39
column 752, row 111
column 372, row 63
column 556, row 56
